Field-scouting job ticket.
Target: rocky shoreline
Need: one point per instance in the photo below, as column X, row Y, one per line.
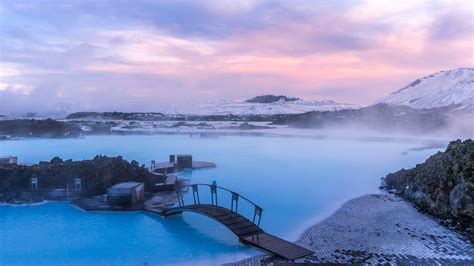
column 442, row 186
column 49, row 128
column 382, row 118
column 379, row 229
column 435, row 225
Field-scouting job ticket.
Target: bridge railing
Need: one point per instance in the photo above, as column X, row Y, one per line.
column 214, row 192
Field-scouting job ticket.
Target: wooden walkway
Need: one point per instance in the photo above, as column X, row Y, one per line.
column 248, row 232
column 276, row 245
column 238, row 224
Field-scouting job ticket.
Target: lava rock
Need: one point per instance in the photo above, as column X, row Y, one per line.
column 96, row 176
column 443, row 185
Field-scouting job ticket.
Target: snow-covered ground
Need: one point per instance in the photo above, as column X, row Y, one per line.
column 191, row 126
column 226, row 107
column 437, row 90
column 223, row 128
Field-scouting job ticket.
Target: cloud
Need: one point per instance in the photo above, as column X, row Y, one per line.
column 134, row 55
column 453, row 25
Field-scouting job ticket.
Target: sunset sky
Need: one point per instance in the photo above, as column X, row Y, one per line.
column 135, row 55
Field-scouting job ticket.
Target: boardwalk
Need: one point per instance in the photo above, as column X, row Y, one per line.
column 276, row 245
column 248, row 231
column 238, row 224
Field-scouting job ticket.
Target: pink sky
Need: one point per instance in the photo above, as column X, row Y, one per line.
column 135, row 55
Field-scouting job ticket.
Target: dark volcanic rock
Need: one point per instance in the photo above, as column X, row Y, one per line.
column 97, row 175
column 381, row 117
column 48, row 128
column 117, row 116
column 181, row 124
column 247, row 126
column 271, row 99
column 443, row 185
column 81, row 117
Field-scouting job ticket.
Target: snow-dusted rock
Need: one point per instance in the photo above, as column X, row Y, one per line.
column 445, row 88
column 282, row 105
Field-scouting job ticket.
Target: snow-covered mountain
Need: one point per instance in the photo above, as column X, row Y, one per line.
column 260, row 105
column 453, row 87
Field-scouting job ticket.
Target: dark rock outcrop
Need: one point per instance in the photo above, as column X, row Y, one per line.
column 443, row 185
column 117, row 116
column 269, row 98
column 96, row 175
column 48, row 128
column 247, row 126
column 94, row 117
column 382, row 117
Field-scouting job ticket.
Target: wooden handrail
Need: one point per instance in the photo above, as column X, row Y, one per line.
column 257, row 209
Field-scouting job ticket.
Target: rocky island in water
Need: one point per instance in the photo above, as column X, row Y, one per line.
column 96, row 176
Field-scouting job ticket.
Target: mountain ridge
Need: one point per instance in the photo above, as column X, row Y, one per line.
column 270, row 98
column 442, row 89
column 263, row 105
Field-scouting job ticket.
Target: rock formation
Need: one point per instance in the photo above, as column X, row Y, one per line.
column 96, row 176
column 443, row 185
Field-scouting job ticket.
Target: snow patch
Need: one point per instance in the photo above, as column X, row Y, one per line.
column 445, row 88
column 229, row 107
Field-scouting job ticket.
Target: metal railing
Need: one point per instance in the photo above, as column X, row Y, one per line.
column 234, row 204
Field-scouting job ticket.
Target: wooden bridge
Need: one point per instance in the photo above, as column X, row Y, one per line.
column 246, row 229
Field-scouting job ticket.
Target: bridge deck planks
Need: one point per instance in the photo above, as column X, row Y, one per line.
column 248, row 232
column 276, row 246
column 231, row 221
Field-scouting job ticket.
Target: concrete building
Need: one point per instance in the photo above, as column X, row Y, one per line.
column 7, row 160
column 126, row 194
column 176, row 163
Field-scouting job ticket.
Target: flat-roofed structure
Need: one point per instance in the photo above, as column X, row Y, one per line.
column 179, row 163
column 126, row 194
column 184, row 161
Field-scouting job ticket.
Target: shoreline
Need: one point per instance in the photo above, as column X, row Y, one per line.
column 26, row 204
column 297, row 233
column 374, row 229
column 277, row 132
column 430, row 142
column 378, row 229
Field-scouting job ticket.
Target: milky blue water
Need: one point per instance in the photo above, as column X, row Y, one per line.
column 296, row 181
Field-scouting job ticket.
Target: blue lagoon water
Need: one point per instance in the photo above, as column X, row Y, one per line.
column 297, row 181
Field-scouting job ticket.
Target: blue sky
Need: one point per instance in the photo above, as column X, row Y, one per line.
column 135, row 55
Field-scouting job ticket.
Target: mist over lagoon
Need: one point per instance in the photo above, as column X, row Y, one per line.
column 297, row 180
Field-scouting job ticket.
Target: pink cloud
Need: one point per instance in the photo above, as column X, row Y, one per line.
column 357, row 54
